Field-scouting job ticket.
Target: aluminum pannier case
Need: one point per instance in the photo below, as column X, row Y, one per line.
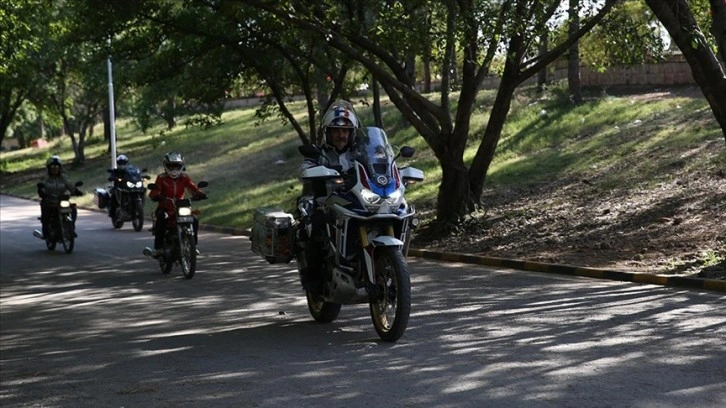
column 272, row 235
column 101, row 197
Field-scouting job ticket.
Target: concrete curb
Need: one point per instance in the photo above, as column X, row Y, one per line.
column 678, row 281
column 560, row 269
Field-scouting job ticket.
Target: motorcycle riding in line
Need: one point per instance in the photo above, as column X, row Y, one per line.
column 61, row 225
column 179, row 240
column 366, row 232
column 124, row 199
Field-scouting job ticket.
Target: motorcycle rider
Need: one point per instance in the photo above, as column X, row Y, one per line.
column 171, row 185
column 50, row 190
column 116, row 177
column 339, row 126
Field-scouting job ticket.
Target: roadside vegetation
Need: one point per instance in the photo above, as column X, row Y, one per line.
column 623, row 143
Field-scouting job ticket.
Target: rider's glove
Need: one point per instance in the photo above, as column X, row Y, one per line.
column 200, row 196
column 78, row 193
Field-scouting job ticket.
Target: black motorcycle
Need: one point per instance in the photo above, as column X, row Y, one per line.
column 61, row 225
column 179, row 243
column 127, row 198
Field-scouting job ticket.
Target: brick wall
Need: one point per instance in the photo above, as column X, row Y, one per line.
column 675, row 71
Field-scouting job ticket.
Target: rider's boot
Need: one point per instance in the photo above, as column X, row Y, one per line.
column 154, row 253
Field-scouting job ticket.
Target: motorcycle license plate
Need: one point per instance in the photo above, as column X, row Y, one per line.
column 182, row 220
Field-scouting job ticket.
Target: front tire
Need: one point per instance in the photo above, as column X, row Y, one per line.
column 165, row 264
column 320, row 310
column 391, row 305
column 138, row 221
column 188, row 255
column 115, row 221
column 65, row 233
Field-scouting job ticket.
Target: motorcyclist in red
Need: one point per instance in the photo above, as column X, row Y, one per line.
column 171, row 185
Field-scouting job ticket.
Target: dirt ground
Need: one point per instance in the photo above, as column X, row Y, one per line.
column 674, row 229
column 677, row 227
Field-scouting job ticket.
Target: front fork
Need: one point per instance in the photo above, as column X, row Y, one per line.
column 368, row 247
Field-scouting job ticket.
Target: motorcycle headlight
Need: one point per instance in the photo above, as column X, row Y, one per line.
column 65, row 203
column 139, row 184
column 394, row 197
column 369, row 196
column 185, row 211
column 129, row 184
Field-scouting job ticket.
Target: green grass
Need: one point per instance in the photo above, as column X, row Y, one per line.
column 249, row 165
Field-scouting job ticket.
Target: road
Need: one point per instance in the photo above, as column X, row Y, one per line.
column 103, row 327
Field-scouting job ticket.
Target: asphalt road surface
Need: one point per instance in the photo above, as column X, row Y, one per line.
column 103, row 327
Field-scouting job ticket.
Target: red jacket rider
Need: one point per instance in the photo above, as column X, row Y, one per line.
column 171, row 185
column 174, row 188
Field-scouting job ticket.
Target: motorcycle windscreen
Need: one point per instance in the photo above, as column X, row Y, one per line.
column 375, row 153
column 133, row 173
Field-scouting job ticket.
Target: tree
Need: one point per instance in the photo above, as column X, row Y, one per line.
column 475, row 30
column 676, row 17
column 26, row 33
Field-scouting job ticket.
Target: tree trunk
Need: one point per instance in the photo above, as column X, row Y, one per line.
column 542, row 74
column 427, row 74
column 707, row 71
column 454, row 198
column 573, row 57
column 718, row 28
column 68, row 127
column 8, row 108
column 377, row 115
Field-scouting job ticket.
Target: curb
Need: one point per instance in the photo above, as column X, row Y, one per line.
column 561, row 269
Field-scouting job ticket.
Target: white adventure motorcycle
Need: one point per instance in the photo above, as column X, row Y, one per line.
column 363, row 227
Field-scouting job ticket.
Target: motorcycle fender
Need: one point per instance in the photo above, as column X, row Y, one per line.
column 385, row 240
column 381, row 240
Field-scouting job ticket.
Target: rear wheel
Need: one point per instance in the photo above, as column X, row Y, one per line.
column 391, row 304
column 320, row 310
column 138, row 221
column 188, row 255
column 50, row 244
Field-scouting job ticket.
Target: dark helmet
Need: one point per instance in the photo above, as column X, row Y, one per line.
column 173, row 164
column 121, row 161
column 53, row 161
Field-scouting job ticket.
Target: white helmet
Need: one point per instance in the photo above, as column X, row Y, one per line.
column 340, row 115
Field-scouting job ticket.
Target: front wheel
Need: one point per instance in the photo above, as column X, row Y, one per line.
column 115, row 221
column 391, row 304
column 320, row 310
column 138, row 221
column 165, row 264
column 66, row 235
column 188, row 253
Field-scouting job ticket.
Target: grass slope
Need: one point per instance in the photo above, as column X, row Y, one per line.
column 620, row 141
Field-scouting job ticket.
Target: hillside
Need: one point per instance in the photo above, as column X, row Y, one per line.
column 628, row 181
column 674, row 223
